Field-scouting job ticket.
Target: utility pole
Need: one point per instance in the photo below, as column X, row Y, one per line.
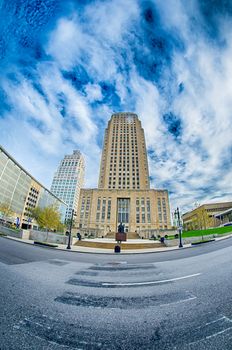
column 70, row 231
column 177, row 216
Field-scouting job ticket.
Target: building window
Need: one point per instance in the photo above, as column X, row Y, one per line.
column 103, row 209
column 123, row 210
column 137, row 218
column 143, row 218
column 109, row 209
column 98, row 204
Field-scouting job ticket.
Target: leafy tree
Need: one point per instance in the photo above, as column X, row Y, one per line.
column 5, row 210
column 48, row 217
column 203, row 220
column 61, row 227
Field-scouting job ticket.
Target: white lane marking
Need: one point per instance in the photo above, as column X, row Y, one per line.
column 211, row 336
column 150, row 282
column 215, row 334
column 179, row 301
column 219, row 319
column 223, row 318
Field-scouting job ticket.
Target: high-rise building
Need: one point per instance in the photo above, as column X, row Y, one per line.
column 68, row 180
column 124, row 157
column 123, row 194
column 21, row 192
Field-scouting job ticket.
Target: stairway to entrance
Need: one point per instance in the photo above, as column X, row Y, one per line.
column 130, row 235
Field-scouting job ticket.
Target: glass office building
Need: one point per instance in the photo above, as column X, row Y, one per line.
column 22, row 192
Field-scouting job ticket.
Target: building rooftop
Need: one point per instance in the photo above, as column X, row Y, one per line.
column 223, row 212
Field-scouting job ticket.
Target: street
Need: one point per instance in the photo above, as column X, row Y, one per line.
column 53, row 299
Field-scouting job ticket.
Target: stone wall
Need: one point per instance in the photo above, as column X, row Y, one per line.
column 23, row 234
column 35, row 235
column 50, row 237
column 11, row 232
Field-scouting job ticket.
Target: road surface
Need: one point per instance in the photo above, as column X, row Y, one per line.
column 57, row 300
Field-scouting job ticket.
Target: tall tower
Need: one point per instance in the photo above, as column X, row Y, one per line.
column 123, row 194
column 124, row 157
column 68, row 180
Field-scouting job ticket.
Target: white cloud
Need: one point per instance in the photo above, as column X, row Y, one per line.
column 66, row 118
column 93, row 92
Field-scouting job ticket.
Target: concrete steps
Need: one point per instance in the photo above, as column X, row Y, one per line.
column 133, row 235
column 124, row 245
column 130, row 235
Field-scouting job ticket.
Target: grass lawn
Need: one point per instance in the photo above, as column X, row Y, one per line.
column 210, row 231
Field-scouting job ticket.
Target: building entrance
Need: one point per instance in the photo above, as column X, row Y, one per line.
column 123, row 212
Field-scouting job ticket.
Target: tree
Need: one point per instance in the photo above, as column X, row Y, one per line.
column 203, row 220
column 5, row 210
column 48, row 217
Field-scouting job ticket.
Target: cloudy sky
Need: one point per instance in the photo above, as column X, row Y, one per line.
column 67, row 65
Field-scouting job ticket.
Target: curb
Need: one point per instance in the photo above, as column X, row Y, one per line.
column 94, row 252
column 50, row 245
column 176, row 248
column 203, row 242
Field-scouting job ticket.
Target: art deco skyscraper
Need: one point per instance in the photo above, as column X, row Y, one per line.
column 68, row 180
column 123, row 194
column 124, row 157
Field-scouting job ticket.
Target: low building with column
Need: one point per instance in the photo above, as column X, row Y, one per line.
column 212, row 215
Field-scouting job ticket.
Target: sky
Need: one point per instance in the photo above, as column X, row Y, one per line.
column 67, row 65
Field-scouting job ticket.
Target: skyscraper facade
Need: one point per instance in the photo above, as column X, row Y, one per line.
column 123, row 194
column 68, row 180
column 124, row 157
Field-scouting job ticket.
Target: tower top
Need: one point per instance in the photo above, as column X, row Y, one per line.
column 124, row 114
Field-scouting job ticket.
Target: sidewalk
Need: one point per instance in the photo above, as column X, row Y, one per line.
column 80, row 249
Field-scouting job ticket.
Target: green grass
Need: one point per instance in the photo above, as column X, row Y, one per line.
column 211, row 231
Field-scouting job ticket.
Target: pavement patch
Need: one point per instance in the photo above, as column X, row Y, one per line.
column 122, row 267
column 123, row 303
column 55, row 333
column 58, row 262
column 211, row 329
column 86, row 273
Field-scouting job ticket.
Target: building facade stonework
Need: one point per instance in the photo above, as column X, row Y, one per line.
column 123, row 194
column 124, row 156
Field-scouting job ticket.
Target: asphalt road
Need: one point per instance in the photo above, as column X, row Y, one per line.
column 53, row 299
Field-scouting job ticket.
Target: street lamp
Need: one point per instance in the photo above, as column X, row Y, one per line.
column 70, row 230
column 177, row 216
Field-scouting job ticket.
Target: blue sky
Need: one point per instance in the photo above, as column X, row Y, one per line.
column 66, row 66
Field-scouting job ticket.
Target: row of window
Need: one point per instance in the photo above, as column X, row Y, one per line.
column 69, row 163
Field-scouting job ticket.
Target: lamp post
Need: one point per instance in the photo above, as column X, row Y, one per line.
column 70, row 231
column 177, row 216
